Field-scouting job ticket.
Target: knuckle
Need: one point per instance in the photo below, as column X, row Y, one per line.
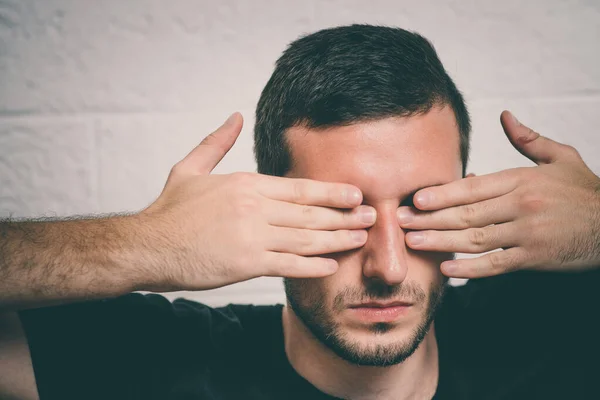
column 213, row 140
column 344, row 236
column 529, row 137
column 348, row 238
column 467, row 215
column 308, row 211
column 571, row 151
column 209, row 140
column 473, row 185
column 245, row 206
column 309, row 216
column 531, row 202
column 242, row 183
column 335, row 241
column 299, row 194
column 329, row 242
column 478, row 237
column 240, row 178
column 304, row 239
column 177, row 169
column 498, row 260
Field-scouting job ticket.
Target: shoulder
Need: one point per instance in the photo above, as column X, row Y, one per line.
column 513, row 333
column 526, row 311
column 149, row 318
column 232, row 319
column 120, row 342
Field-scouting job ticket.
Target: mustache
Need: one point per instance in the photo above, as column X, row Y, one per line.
column 406, row 291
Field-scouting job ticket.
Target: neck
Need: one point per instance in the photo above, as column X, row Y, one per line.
column 415, row 378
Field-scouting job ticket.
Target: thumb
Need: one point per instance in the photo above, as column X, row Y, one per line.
column 531, row 144
column 205, row 157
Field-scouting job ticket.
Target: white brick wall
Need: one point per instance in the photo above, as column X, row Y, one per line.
column 99, row 99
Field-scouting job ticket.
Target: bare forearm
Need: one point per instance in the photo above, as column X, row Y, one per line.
column 46, row 262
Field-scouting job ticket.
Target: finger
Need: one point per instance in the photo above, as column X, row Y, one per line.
column 305, row 242
column 539, row 149
column 295, row 266
column 465, row 191
column 490, row 264
column 309, row 192
column 472, row 240
column 322, row 218
column 494, row 211
column 205, row 157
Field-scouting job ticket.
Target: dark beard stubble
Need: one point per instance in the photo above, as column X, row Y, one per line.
column 308, row 304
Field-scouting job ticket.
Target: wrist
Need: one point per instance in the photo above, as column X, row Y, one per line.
column 140, row 256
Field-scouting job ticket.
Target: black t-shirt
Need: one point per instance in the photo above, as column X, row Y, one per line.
column 524, row 335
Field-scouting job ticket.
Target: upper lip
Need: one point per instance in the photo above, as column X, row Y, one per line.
column 379, row 304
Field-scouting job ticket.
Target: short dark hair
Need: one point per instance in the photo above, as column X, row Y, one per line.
column 349, row 74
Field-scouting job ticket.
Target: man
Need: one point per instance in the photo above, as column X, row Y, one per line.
column 367, row 138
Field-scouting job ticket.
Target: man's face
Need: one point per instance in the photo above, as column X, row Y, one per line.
column 388, row 160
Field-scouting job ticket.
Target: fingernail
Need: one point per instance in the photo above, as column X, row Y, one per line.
column 450, row 267
column 230, row 120
column 516, row 121
column 405, row 216
column 424, row 198
column 415, row 237
column 367, row 215
column 352, row 196
column 358, row 236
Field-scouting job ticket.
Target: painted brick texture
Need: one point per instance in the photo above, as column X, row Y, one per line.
column 99, row 99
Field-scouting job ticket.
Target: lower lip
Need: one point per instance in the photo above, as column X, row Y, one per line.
column 376, row 314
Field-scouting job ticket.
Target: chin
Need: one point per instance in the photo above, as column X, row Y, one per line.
column 377, row 350
column 378, row 345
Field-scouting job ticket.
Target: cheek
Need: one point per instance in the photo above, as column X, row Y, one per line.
column 307, row 292
column 430, row 257
column 425, row 267
column 349, row 274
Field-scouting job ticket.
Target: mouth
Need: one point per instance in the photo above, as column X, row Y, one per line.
column 375, row 304
column 374, row 312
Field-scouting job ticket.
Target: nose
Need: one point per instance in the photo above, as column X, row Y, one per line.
column 385, row 252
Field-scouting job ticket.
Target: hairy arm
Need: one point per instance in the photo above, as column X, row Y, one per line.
column 51, row 261
column 46, row 262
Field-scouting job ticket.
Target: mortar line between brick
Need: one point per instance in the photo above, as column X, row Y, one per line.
column 90, row 115
column 33, row 115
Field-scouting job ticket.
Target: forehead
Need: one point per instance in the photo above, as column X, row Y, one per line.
column 387, row 158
